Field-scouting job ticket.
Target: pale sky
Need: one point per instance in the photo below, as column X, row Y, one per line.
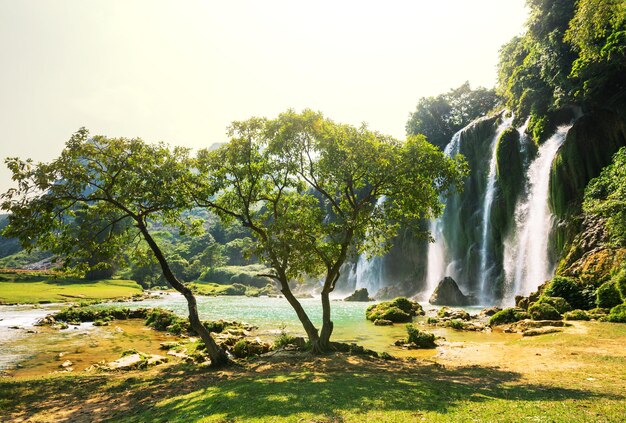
column 181, row 71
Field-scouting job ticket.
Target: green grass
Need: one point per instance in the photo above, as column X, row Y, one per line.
column 39, row 289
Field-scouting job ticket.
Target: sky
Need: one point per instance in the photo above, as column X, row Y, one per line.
column 181, row 71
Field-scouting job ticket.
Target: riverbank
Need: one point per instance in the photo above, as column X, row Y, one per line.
column 577, row 375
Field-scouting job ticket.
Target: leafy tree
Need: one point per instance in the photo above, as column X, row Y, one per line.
column 119, row 186
column 439, row 117
column 598, row 33
column 606, row 196
column 312, row 191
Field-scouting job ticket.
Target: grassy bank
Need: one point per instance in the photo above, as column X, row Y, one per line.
column 574, row 376
column 34, row 289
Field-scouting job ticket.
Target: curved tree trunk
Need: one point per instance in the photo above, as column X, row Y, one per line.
column 218, row 355
column 309, row 328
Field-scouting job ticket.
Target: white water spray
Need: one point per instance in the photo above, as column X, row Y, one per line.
column 485, row 247
column 436, row 263
column 526, row 260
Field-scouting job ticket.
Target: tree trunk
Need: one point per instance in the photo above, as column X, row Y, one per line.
column 323, row 345
column 309, row 328
column 218, row 355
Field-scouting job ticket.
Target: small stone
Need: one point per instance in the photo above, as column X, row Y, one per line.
column 66, row 364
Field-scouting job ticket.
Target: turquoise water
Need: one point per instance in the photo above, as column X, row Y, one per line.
column 272, row 315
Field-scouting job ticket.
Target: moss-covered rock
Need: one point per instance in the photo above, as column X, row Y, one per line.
column 400, row 310
column 576, row 315
column 419, row 338
column 558, row 303
column 508, row 315
column 589, row 147
column 250, row 347
column 543, row 311
column 359, row 295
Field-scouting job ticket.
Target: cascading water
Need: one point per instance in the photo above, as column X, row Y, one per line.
column 526, row 258
column 369, row 272
column 485, row 247
column 436, row 268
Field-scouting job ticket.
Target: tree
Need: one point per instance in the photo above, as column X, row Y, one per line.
column 438, row 118
column 312, row 191
column 119, row 186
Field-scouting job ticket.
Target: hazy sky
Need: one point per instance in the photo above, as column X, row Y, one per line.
column 180, row 71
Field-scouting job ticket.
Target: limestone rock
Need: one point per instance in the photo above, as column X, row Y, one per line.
column 448, row 293
column 360, row 295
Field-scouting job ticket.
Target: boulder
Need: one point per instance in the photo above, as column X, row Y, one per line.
column 448, row 293
column 360, row 295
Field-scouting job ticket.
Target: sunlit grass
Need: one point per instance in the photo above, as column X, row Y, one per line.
column 47, row 289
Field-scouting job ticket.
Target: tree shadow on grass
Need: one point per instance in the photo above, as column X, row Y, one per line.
column 319, row 387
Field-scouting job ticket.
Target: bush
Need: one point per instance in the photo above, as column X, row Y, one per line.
column 235, row 289
column 543, row 311
column 617, row 314
column 508, row 315
column 246, row 348
column 570, row 290
column 77, row 314
column 283, row 340
column 608, row 295
column 558, row 303
column 620, row 283
column 419, row 338
column 576, row 315
column 455, row 324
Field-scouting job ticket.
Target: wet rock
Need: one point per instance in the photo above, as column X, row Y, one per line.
column 44, row 321
column 168, row 345
column 453, row 314
column 383, row 322
column 360, row 295
column 540, row 331
column 448, row 293
column 489, row 311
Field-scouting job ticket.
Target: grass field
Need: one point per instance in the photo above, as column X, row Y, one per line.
column 33, row 289
column 575, row 376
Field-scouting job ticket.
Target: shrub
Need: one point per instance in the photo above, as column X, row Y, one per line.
column 607, row 295
column 235, row 289
column 617, row 314
column 455, row 324
column 283, row 340
column 543, row 311
column 508, row 315
column 246, row 348
column 419, row 338
column 620, row 283
column 576, row 315
column 558, row 303
column 569, row 289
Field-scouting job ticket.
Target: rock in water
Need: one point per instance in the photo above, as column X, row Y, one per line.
column 448, row 293
column 359, row 295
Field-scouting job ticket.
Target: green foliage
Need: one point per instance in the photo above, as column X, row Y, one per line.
column 558, row 303
column 569, row 289
column 617, row 314
column 400, row 310
column 77, row 314
column 438, row 118
column 247, row 348
column 508, row 315
column 620, row 282
column 608, row 295
column 165, row 320
column 598, row 33
column 605, row 196
column 543, row 311
column 419, row 338
column 576, row 315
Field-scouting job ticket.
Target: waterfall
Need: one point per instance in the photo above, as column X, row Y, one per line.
column 526, row 258
column 436, row 265
column 485, row 247
column 369, row 274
